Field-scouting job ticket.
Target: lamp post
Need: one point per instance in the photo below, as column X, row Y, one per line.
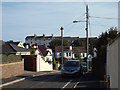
column 87, row 39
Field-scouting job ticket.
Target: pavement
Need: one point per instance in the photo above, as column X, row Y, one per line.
column 89, row 81
column 27, row 74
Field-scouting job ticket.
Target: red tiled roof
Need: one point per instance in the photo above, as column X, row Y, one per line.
column 67, row 48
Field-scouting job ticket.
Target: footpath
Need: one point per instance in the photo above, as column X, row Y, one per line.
column 88, row 81
column 26, row 75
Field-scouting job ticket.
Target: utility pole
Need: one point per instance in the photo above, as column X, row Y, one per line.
column 87, row 39
column 62, row 44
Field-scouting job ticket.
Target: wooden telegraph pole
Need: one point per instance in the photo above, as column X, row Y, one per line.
column 62, row 44
column 87, row 37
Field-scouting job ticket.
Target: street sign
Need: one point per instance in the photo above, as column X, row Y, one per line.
column 38, row 52
column 32, row 52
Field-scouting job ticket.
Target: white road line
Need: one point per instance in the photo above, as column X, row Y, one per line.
column 18, row 80
column 77, row 82
column 66, row 84
column 44, row 74
column 76, row 85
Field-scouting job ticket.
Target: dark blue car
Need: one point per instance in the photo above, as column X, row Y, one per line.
column 72, row 67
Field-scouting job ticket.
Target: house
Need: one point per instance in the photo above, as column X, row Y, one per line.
column 12, row 65
column 113, row 63
column 2, row 42
column 39, row 40
column 19, row 44
column 13, row 49
column 40, row 61
column 45, row 40
column 70, row 52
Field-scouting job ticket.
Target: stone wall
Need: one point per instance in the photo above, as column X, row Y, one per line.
column 12, row 69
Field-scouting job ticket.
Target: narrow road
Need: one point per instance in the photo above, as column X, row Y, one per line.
column 53, row 81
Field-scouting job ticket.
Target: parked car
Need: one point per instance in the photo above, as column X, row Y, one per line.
column 84, row 66
column 72, row 67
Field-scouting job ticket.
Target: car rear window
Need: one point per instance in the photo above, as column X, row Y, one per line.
column 72, row 64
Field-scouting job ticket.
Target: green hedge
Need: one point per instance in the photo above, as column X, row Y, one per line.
column 8, row 58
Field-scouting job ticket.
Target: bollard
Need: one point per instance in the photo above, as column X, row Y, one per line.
column 104, row 80
column 108, row 82
column 107, row 85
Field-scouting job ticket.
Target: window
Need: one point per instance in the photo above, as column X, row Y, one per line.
column 83, row 55
column 75, row 55
column 59, row 54
column 69, row 54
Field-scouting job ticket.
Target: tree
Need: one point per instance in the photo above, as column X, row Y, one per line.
column 60, row 60
column 78, row 55
column 57, row 42
column 80, row 42
column 101, row 44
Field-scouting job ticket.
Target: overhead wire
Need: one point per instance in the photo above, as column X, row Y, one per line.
column 99, row 24
column 104, row 17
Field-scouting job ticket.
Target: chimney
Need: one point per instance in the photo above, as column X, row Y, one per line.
column 43, row 35
column 70, row 47
column 27, row 46
column 52, row 36
column 35, row 35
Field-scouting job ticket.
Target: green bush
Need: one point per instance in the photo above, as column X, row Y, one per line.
column 8, row 58
column 60, row 60
column 54, row 63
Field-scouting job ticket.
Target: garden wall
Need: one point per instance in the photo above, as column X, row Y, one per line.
column 12, row 69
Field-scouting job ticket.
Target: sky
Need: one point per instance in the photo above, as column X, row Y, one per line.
column 21, row 19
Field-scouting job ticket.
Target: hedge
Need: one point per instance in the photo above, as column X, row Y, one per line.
column 8, row 58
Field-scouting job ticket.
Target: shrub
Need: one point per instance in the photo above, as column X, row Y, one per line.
column 8, row 58
column 54, row 63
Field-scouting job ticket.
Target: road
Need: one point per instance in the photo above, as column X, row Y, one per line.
column 56, row 81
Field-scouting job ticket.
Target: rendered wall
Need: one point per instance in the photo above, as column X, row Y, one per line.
column 42, row 65
column 119, row 63
column 113, row 63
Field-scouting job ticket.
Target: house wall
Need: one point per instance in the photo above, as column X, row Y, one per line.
column 113, row 63
column 21, row 45
column 49, row 55
column 12, row 69
column 42, row 65
column 39, row 41
column 69, row 56
column 119, row 63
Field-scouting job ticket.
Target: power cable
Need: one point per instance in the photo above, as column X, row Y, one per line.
column 103, row 17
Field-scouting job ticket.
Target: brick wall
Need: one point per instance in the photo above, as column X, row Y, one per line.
column 12, row 69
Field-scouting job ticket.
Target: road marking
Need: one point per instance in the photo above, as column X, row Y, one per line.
column 66, row 84
column 18, row 80
column 44, row 73
column 76, row 85
column 77, row 82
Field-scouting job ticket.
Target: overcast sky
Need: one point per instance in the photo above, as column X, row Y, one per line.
column 21, row 19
